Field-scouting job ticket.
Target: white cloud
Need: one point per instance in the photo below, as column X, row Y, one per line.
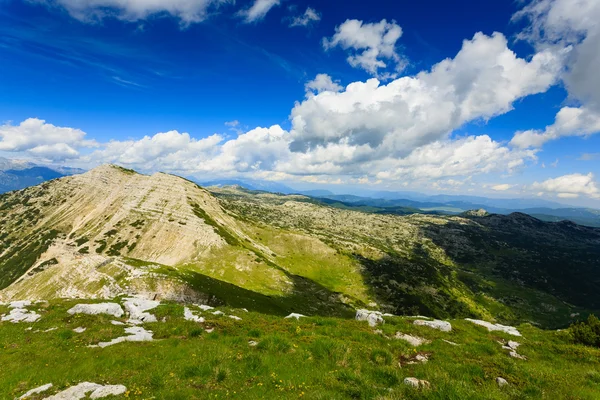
column 564, row 24
column 258, row 10
column 188, row 11
column 310, row 16
column 569, row 121
column 502, row 187
column 570, row 186
column 371, row 45
column 322, row 83
column 42, row 140
column 482, row 81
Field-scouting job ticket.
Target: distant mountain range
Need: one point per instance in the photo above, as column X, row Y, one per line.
column 405, row 202
column 19, row 174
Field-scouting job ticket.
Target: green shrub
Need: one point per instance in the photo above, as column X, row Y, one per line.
column 587, row 332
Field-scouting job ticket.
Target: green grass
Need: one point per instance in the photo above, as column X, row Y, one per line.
column 314, row 358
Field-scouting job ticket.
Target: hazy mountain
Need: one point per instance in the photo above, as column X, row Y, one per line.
column 19, row 174
column 112, row 231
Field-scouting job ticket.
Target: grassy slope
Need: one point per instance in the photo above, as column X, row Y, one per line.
column 314, row 358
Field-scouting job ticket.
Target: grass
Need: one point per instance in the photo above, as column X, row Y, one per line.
column 313, row 358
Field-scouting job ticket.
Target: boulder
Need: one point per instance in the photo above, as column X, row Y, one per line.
column 443, row 326
column 412, row 340
column 501, row 382
column 495, row 327
column 374, row 318
column 416, row 383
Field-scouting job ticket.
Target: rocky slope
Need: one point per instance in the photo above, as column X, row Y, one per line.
column 112, row 231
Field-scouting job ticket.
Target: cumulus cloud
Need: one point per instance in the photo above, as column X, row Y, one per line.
column 188, row 11
column 310, row 16
column 322, row 83
column 570, row 121
column 480, row 82
column 570, row 186
column 258, row 10
column 371, row 45
column 43, row 140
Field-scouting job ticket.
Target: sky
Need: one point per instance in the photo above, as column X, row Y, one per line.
column 494, row 98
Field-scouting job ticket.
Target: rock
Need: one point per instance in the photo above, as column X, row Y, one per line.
column 451, row 343
column 188, row 315
column 106, row 391
column 50, row 330
column 514, row 354
column 19, row 313
column 80, row 392
column 118, row 323
column 511, row 345
column 419, row 359
column 501, row 382
column 204, row 307
column 574, row 315
column 412, row 340
column 294, row 315
column 443, row 326
column 416, row 383
column 252, row 343
column 235, row 317
column 137, row 308
column 374, row 318
column 37, row 390
column 136, row 334
column 218, row 313
column 79, row 330
column 496, row 327
column 113, row 309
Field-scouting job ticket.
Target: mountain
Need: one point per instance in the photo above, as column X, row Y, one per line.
column 18, row 174
column 112, row 231
column 265, row 186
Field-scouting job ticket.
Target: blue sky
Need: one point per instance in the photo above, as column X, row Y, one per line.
column 113, row 74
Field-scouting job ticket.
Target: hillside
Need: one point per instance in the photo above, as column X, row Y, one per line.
column 112, row 231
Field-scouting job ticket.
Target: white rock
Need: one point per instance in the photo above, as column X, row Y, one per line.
column 451, row 343
column 210, row 330
column 295, row 315
column 235, row 317
column 137, row 308
column 516, row 355
column 50, row 330
column 416, row 383
column 501, row 382
column 136, row 334
column 113, row 309
column 252, row 343
column 496, row 327
column 388, row 315
column 443, row 326
column 218, row 313
column 188, row 315
column 79, row 330
column 574, row 315
column 20, row 304
column 37, row 390
column 118, row 323
column 372, row 317
column 412, row 340
column 17, row 315
column 204, row 307
column 81, row 391
column 105, row 391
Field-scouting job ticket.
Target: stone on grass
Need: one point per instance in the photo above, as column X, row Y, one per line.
column 295, row 315
column 204, row 307
column 235, row 317
column 190, row 316
column 218, row 313
column 79, row 330
column 113, row 309
column 19, row 313
column 136, row 334
column 374, row 318
column 495, row 327
column 137, row 308
column 501, row 382
column 416, row 383
column 412, row 340
column 443, row 326
column 37, row 390
column 252, row 343
column 81, row 391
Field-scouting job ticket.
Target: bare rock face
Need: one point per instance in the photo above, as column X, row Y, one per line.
column 374, row 318
column 19, row 313
column 113, row 309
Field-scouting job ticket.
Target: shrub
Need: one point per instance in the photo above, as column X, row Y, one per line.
column 587, row 332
